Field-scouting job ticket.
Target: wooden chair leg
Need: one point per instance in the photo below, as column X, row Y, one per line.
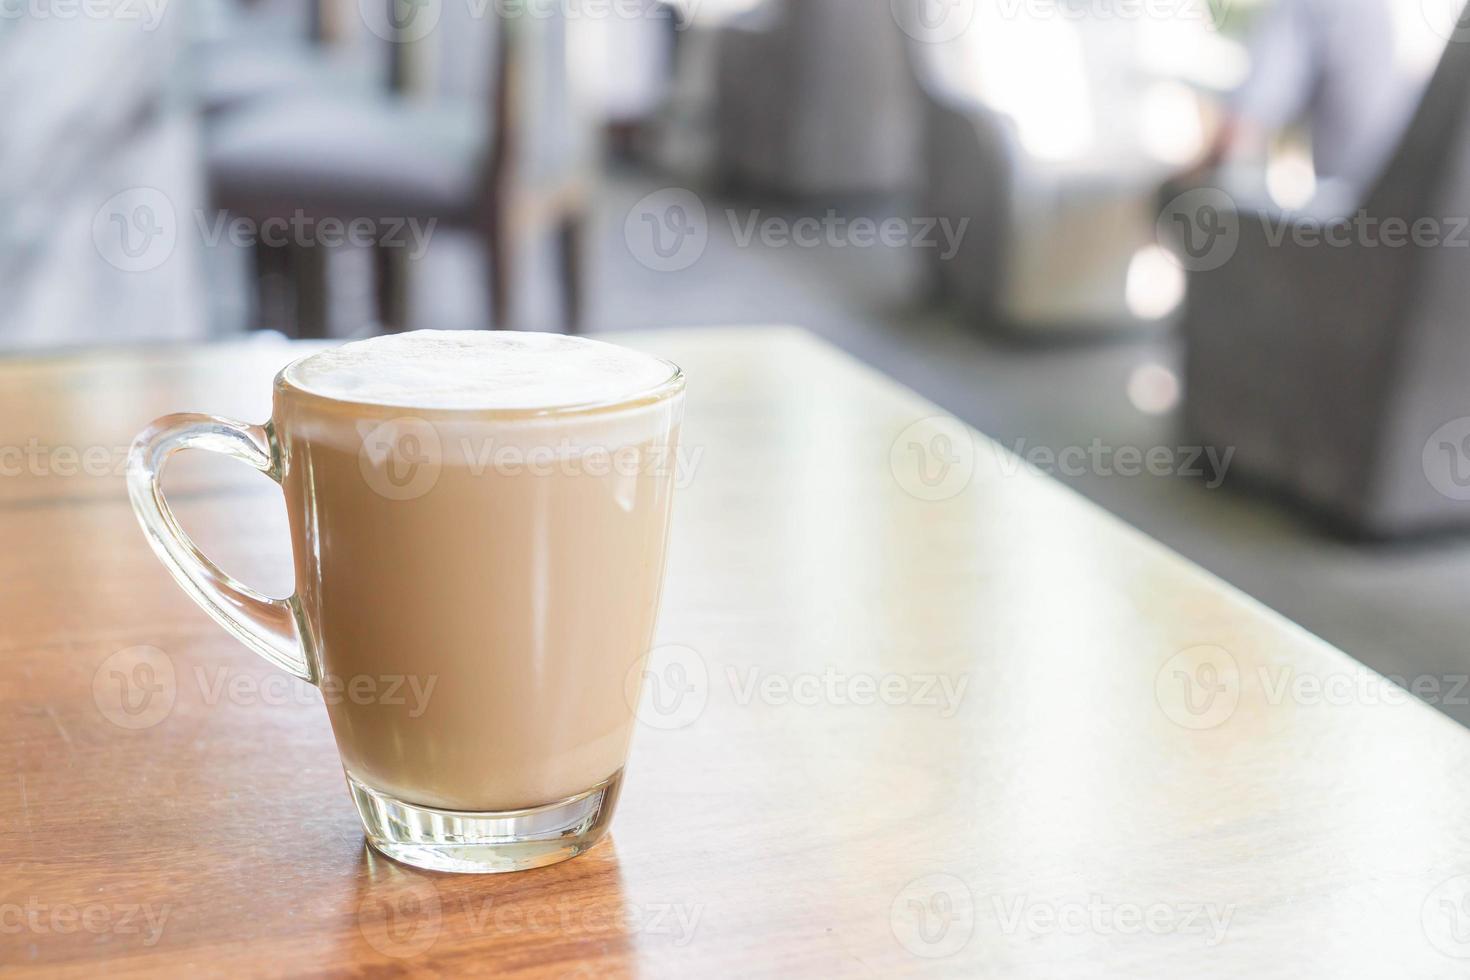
column 270, row 307
column 499, row 267
column 390, row 284
column 571, row 247
column 309, row 278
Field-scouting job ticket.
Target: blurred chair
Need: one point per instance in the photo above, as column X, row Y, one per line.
column 1331, row 369
column 815, row 97
column 1032, row 131
column 517, row 159
column 683, row 135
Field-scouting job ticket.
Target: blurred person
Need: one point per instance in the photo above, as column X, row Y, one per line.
column 1351, row 71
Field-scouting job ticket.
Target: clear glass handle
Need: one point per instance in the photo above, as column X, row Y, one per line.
column 272, row 628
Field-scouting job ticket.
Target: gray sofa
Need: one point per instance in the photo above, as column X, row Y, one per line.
column 1052, row 235
column 1339, row 374
column 815, row 97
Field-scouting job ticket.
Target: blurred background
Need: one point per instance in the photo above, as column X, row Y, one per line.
column 1206, row 261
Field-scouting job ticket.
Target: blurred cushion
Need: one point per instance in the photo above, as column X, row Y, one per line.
column 348, row 157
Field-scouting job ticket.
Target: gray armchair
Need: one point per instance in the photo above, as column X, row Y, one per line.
column 815, row 97
column 1059, row 209
column 1333, row 370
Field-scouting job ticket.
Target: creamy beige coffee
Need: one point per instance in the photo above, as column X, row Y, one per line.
column 479, row 524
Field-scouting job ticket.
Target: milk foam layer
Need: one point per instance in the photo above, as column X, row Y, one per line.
column 479, row 370
column 400, row 383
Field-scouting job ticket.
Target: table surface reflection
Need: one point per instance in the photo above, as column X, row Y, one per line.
column 939, row 716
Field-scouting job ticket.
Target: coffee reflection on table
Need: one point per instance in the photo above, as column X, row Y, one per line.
column 574, row 912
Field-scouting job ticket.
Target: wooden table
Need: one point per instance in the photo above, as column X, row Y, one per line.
column 941, row 716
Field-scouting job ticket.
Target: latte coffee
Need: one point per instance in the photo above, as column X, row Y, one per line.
column 479, row 522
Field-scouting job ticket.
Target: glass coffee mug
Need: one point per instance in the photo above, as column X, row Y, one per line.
column 478, row 522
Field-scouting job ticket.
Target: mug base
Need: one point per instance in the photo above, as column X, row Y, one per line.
column 488, row 842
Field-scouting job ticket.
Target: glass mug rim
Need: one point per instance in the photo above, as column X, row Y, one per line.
column 669, row 388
